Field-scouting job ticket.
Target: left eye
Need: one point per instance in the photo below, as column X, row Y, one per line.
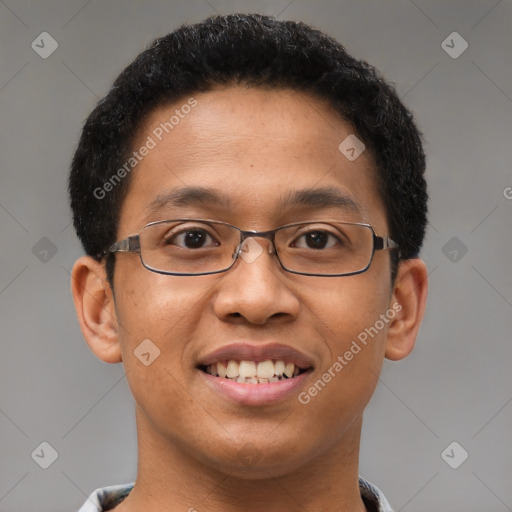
column 191, row 239
column 316, row 240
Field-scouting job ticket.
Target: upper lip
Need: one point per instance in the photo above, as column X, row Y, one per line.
column 261, row 352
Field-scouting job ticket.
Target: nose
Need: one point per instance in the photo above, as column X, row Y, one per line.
column 255, row 288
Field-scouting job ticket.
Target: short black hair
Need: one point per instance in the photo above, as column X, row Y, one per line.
column 252, row 50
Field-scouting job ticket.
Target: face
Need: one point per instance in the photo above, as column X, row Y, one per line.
column 252, row 149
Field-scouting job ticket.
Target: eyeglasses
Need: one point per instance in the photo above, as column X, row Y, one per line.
column 192, row 247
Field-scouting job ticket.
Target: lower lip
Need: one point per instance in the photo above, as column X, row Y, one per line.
column 255, row 394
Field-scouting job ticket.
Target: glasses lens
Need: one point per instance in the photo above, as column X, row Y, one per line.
column 325, row 248
column 202, row 247
column 188, row 247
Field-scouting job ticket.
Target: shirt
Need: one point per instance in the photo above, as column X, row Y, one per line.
column 107, row 498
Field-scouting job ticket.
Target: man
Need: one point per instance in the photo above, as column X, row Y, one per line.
column 252, row 203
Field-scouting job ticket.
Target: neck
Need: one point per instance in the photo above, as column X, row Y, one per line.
column 171, row 478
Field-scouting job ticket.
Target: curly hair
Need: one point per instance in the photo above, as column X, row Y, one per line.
column 254, row 50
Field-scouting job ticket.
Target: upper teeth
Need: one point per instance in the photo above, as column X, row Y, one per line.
column 251, row 371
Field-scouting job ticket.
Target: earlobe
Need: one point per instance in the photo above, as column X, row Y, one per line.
column 409, row 301
column 94, row 304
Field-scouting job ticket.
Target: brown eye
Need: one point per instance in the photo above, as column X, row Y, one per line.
column 316, row 240
column 191, row 239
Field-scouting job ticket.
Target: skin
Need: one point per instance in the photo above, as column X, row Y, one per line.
column 253, row 145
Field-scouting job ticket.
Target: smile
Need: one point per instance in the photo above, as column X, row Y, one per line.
column 253, row 372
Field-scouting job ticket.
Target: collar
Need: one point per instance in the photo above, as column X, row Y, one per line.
column 106, row 498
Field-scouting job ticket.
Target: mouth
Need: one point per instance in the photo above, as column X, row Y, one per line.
column 254, row 372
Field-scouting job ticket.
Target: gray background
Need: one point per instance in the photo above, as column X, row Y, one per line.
column 456, row 385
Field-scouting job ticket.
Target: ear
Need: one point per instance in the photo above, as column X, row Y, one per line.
column 408, row 301
column 95, row 308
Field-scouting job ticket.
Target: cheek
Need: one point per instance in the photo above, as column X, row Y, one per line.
column 156, row 303
column 346, row 306
column 158, row 316
column 165, row 310
column 351, row 318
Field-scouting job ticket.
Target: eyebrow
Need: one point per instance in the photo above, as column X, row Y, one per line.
column 321, row 198
column 313, row 198
column 190, row 195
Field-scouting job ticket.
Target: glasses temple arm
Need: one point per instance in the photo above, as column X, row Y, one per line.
column 384, row 243
column 130, row 244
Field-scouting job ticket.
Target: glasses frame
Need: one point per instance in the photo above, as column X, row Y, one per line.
column 132, row 244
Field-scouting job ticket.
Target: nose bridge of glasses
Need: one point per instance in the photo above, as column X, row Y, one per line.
column 247, row 236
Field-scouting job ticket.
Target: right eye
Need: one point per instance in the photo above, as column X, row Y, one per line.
column 191, row 238
column 317, row 240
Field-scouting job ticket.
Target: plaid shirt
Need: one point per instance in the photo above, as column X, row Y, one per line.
column 107, row 498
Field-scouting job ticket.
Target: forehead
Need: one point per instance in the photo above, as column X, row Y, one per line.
column 249, row 155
